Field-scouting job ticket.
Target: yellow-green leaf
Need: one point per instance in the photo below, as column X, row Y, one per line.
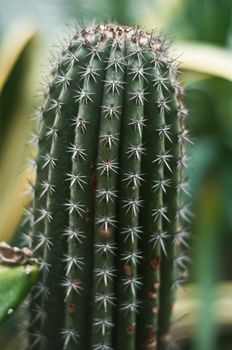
column 206, row 59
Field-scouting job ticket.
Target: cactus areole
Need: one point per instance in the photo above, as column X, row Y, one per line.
column 107, row 215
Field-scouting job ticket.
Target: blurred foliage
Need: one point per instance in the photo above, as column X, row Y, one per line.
column 208, row 82
column 202, row 20
column 195, row 57
column 125, row 12
column 187, row 308
column 207, row 266
column 16, row 96
column 104, row 11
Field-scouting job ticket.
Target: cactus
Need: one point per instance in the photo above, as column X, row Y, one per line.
column 18, row 272
column 107, row 219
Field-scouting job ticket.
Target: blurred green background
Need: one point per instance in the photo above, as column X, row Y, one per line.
column 202, row 35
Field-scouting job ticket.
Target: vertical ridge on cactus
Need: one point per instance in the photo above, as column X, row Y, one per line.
column 107, row 216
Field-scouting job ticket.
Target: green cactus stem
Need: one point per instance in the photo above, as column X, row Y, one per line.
column 18, row 272
column 107, row 217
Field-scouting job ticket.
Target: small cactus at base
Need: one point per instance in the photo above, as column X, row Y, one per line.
column 108, row 219
column 18, row 272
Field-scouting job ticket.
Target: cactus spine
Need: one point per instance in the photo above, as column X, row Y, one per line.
column 107, row 215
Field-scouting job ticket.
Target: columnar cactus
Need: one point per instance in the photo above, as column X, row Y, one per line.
column 107, row 216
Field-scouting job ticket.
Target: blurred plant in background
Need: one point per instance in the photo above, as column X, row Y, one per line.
column 202, row 30
column 17, row 75
column 16, row 96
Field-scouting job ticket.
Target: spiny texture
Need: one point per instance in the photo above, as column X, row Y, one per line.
column 108, row 221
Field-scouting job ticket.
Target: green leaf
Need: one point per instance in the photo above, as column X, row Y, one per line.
column 15, row 66
column 206, row 59
column 15, row 283
column 18, row 56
